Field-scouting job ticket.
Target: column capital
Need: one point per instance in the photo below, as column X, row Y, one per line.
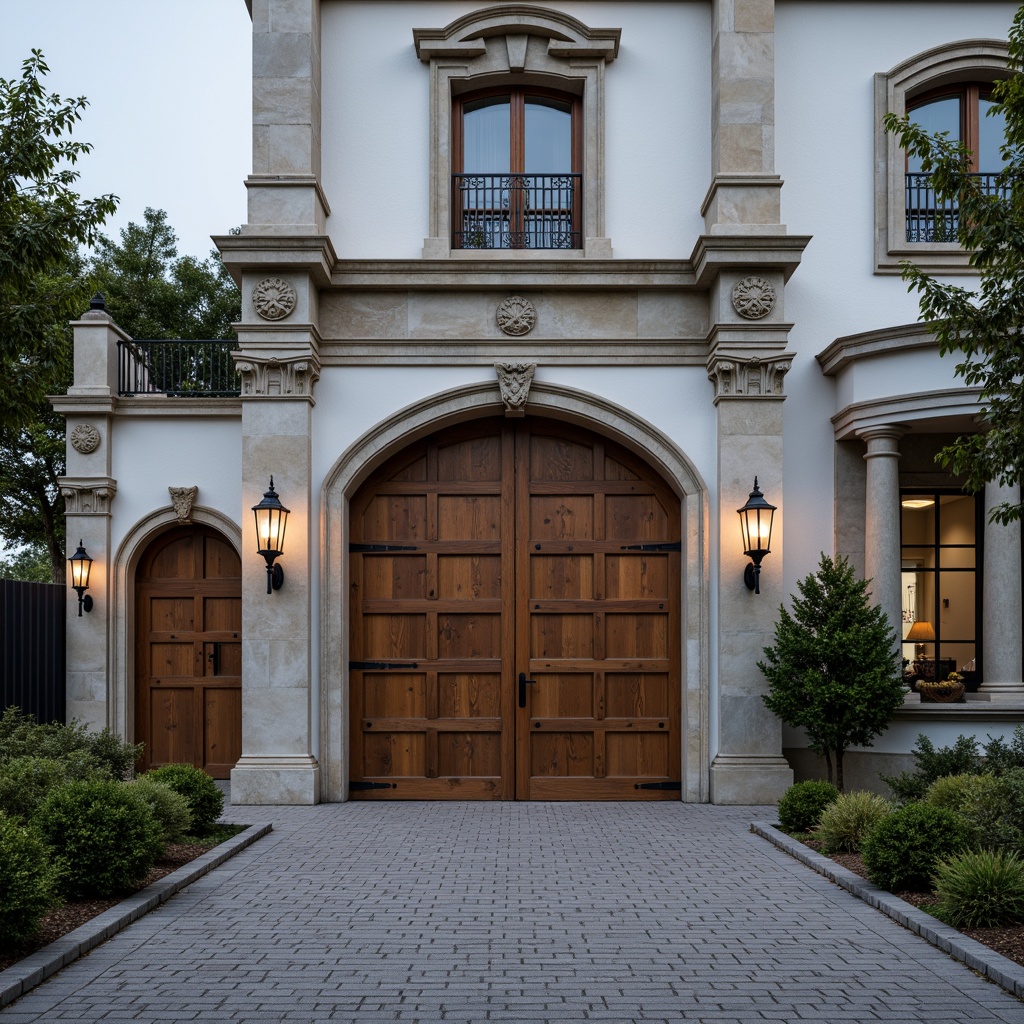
column 882, row 439
column 749, row 376
column 278, row 377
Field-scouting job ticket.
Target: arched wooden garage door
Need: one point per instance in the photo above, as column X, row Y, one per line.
column 515, row 620
column 188, row 672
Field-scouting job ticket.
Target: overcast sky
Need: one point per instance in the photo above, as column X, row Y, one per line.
column 169, row 115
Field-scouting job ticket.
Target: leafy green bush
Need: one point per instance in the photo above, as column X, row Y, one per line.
column 1002, row 757
column 22, row 736
column 1008, row 830
column 901, row 851
column 205, row 800
column 976, row 797
column 27, row 883
column 169, row 808
column 801, row 805
column 26, row 781
column 846, row 822
column 980, row 889
column 103, row 836
column 962, row 758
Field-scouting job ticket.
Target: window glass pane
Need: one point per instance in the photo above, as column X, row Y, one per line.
column 485, row 136
column 922, row 558
column 956, row 598
column 941, row 115
column 918, row 521
column 991, row 131
column 956, row 519
column 957, row 558
column 548, row 137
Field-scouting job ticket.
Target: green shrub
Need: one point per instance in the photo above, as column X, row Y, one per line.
column 1008, row 831
column 1002, row 757
column 104, row 838
column 205, row 800
column 846, row 822
column 801, row 805
column 962, row 758
column 976, row 797
column 980, row 889
column 27, row 883
column 169, row 808
column 901, row 851
column 26, row 781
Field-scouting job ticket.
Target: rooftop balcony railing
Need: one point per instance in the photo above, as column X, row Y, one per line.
column 516, row 211
column 930, row 219
column 178, row 369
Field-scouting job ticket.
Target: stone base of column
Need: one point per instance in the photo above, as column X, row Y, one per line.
column 736, row 779
column 275, row 780
column 999, row 693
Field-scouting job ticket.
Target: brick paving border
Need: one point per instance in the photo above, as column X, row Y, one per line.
column 1003, row 971
column 37, row 967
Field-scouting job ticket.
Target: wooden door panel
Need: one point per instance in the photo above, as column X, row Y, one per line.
column 469, row 517
column 632, row 695
column 469, row 578
column 469, row 695
column 189, row 658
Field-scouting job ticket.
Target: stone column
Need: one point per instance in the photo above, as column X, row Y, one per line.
column 744, row 197
column 88, row 490
column 749, row 767
column 1001, row 602
column 285, row 194
column 882, row 557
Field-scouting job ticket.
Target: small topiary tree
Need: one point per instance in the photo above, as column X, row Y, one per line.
column 833, row 670
column 104, row 838
column 205, row 800
column 802, row 804
column 902, row 850
column 27, row 883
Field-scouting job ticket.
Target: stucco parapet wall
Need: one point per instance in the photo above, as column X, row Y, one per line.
column 510, row 272
column 714, row 253
column 83, row 405
column 311, row 253
column 846, row 350
column 949, row 406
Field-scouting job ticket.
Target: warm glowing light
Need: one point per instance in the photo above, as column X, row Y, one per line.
column 917, row 502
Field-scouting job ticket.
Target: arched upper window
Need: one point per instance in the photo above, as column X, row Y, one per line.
column 517, row 181
column 947, row 88
column 962, row 111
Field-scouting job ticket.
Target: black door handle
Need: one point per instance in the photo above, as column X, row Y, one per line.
column 523, row 683
column 214, row 658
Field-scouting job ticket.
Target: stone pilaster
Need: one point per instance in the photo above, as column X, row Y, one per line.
column 744, row 196
column 285, row 194
column 882, row 559
column 1001, row 603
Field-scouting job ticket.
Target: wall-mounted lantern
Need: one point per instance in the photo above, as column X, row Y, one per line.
column 81, row 564
column 271, row 522
column 756, row 525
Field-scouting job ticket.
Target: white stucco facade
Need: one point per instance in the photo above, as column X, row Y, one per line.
column 725, row 145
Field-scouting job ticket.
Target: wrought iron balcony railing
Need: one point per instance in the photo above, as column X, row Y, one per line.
column 178, row 369
column 516, row 211
column 930, row 219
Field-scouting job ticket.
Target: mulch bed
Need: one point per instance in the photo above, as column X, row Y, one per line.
column 1007, row 941
column 70, row 915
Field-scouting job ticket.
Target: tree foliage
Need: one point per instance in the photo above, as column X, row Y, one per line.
column 833, row 669
column 43, row 221
column 982, row 325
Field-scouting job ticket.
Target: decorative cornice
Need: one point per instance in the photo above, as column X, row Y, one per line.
column 753, row 377
column 87, row 496
column 288, row 377
column 714, row 253
column 961, row 404
column 846, row 350
column 263, row 254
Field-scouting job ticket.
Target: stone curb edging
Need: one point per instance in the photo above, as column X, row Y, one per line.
column 37, row 967
column 980, row 958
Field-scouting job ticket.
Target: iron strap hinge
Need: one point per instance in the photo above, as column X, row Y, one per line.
column 372, row 785
column 676, row 545
column 659, row 785
column 366, row 666
column 382, row 547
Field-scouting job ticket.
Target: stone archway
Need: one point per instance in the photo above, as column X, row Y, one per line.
column 483, row 400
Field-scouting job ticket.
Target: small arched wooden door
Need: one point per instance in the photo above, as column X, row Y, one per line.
column 515, row 602
column 188, row 670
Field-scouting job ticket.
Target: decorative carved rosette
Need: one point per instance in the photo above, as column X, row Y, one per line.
column 516, row 316
column 756, row 377
column 274, row 298
column 278, row 378
column 514, row 380
column 85, row 438
column 182, row 500
column 753, row 298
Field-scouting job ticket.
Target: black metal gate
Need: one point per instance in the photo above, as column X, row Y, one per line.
column 32, row 653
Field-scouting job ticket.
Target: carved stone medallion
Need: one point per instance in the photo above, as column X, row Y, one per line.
column 182, row 500
column 516, row 316
column 273, row 298
column 753, row 298
column 514, row 380
column 85, row 438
